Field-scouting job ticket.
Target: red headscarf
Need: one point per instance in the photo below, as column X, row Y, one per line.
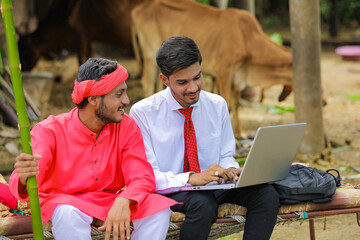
column 97, row 88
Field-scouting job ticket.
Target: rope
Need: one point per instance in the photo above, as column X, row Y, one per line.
column 95, row 231
column 173, row 226
column 238, row 218
column 48, row 235
column 283, row 221
column 96, row 234
column 4, row 238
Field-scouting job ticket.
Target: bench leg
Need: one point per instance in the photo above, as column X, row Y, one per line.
column 358, row 218
column 312, row 229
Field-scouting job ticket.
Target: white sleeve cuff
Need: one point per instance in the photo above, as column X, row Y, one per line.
column 165, row 180
column 229, row 162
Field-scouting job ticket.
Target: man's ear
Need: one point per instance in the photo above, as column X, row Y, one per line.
column 164, row 79
column 93, row 100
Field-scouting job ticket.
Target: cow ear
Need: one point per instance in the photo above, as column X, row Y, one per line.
column 164, row 79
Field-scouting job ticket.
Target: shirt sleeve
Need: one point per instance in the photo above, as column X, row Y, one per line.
column 42, row 143
column 227, row 145
column 166, row 182
column 137, row 172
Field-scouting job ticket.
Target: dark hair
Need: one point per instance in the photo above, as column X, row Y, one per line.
column 94, row 69
column 176, row 53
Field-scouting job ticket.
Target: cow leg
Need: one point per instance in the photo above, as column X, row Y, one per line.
column 262, row 95
column 215, row 86
column 208, row 83
column 234, row 115
column 232, row 95
column 149, row 77
column 85, row 50
column 136, row 49
column 287, row 89
column 148, row 43
column 323, row 98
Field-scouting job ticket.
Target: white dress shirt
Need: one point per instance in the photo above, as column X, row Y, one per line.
column 162, row 127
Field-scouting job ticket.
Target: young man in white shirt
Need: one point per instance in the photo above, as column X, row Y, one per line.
column 161, row 122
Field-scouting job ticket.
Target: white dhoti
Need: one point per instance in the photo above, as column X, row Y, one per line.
column 69, row 223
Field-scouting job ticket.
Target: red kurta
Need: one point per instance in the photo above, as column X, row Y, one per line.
column 85, row 172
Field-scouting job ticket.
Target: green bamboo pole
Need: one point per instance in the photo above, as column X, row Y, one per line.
column 24, row 125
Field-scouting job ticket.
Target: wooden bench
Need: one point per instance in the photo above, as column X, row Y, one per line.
column 231, row 217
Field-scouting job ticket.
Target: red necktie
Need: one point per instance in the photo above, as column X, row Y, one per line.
column 191, row 162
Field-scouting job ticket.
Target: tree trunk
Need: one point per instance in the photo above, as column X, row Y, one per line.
column 334, row 23
column 305, row 42
column 248, row 5
column 221, row 4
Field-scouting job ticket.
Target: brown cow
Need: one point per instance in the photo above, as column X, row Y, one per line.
column 235, row 50
column 75, row 24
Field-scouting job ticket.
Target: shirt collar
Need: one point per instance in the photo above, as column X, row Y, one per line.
column 173, row 104
column 83, row 129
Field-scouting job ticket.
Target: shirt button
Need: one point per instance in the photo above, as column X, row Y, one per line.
column 95, row 161
column 96, row 179
column 91, row 134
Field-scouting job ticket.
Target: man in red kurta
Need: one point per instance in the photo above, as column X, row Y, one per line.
column 90, row 163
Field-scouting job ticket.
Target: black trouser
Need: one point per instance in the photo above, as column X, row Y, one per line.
column 200, row 207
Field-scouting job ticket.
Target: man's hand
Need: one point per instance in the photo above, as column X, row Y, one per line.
column 118, row 219
column 26, row 166
column 235, row 172
column 212, row 173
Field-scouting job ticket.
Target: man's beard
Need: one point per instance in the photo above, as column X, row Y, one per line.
column 101, row 114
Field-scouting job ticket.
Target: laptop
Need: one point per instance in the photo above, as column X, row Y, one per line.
column 269, row 158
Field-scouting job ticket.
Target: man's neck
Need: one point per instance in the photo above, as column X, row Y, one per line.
column 89, row 119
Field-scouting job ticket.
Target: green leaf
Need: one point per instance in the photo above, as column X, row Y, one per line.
column 241, row 161
column 276, row 37
column 353, row 97
column 206, row 2
column 273, row 109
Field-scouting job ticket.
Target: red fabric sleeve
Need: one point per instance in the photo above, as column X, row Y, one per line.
column 137, row 171
column 42, row 143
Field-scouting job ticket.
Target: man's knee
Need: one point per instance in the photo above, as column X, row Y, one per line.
column 271, row 195
column 203, row 205
column 162, row 217
column 66, row 213
column 155, row 225
column 159, row 218
column 62, row 213
column 69, row 222
column 268, row 197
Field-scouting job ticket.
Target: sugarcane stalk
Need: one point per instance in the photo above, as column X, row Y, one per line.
column 24, row 125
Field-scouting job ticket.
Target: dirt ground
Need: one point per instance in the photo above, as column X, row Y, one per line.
column 342, row 126
column 340, row 115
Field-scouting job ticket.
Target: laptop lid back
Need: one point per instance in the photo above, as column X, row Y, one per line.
column 271, row 154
